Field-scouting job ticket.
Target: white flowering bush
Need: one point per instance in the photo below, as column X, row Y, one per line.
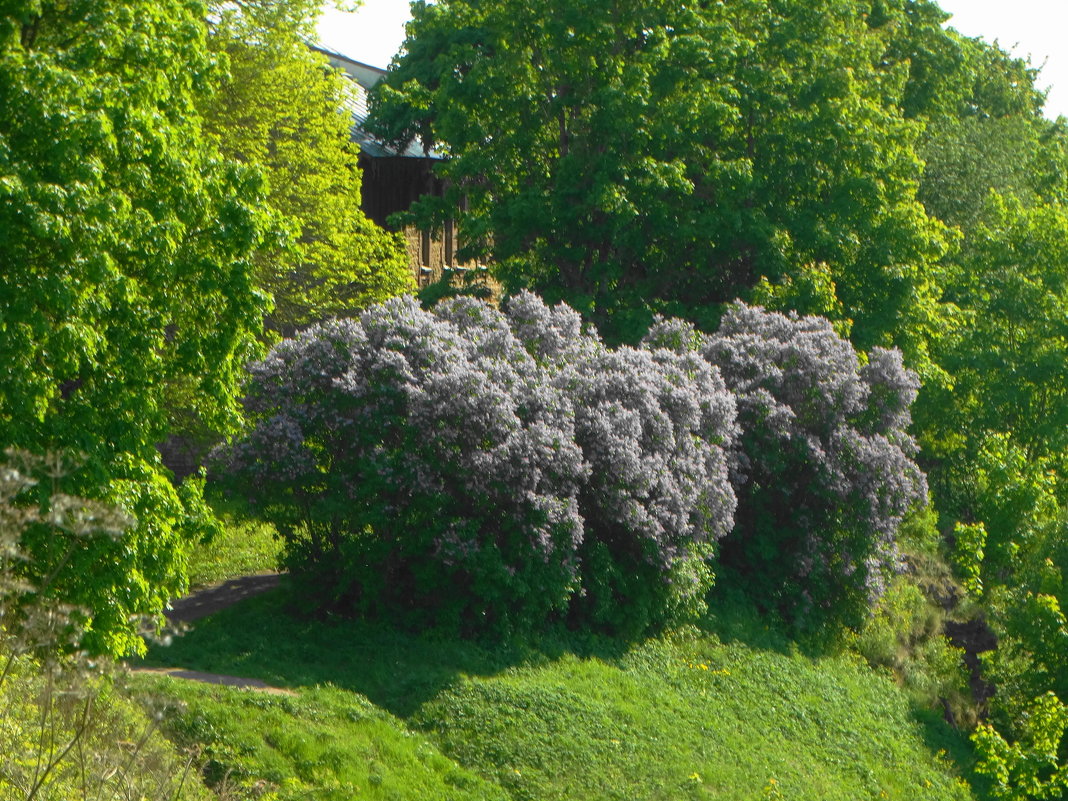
column 496, row 469
column 489, row 469
column 655, row 427
column 417, row 462
column 826, row 468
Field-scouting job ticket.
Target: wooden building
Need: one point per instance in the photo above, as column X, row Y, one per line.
column 393, row 180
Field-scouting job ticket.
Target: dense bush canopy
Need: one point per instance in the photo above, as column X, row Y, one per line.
column 417, row 461
column 827, row 468
column 656, row 428
column 453, row 465
column 487, row 468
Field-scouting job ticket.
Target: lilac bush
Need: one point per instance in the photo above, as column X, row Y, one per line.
column 655, row 428
column 488, row 468
column 554, row 335
column 417, row 463
column 500, row 468
column 826, row 468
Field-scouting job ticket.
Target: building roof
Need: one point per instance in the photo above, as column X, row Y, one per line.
column 364, row 76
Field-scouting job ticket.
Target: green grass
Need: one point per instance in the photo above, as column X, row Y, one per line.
column 738, row 714
column 243, row 547
column 324, row 743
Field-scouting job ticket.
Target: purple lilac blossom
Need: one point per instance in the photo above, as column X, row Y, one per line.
column 827, row 460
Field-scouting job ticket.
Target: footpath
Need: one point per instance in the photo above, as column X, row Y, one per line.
column 186, row 611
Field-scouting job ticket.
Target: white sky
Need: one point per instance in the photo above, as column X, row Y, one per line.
column 1035, row 28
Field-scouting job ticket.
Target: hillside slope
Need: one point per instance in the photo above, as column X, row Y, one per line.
column 385, row 714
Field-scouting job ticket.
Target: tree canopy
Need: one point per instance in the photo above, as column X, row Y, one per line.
column 635, row 157
column 127, row 274
column 281, row 108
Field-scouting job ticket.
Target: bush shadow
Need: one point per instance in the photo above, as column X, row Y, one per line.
column 733, row 617
column 266, row 637
column 952, row 747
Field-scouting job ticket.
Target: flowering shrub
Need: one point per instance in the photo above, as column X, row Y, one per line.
column 492, row 469
column 825, row 469
column 654, row 426
column 417, row 462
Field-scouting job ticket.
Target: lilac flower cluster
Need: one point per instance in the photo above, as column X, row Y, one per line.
column 416, row 461
column 470, row 465
column 498, row 468
column 656, row 428
column 826, row 468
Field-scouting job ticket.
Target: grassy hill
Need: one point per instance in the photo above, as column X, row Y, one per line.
column 729, row 711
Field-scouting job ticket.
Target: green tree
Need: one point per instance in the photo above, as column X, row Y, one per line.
column 126, row 277
column 1006, row 402
column 1007, row 361
column 966, row 158
column 639, row 157
column 1026, row 609
column 282, row 109
column 984, row 128
column 949, row 74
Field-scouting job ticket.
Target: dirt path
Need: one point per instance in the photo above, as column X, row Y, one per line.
column 210, row 600
column 206, row 602
column 214, row 678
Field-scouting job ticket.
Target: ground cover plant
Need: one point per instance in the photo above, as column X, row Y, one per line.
column 323, row 743
column 695, row 715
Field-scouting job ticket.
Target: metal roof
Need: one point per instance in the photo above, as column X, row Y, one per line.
column 364, row 76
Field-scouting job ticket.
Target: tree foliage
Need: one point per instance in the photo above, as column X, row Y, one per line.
column 127, row 274
column 640, row 157
column 282, row 109
column 993, row 429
